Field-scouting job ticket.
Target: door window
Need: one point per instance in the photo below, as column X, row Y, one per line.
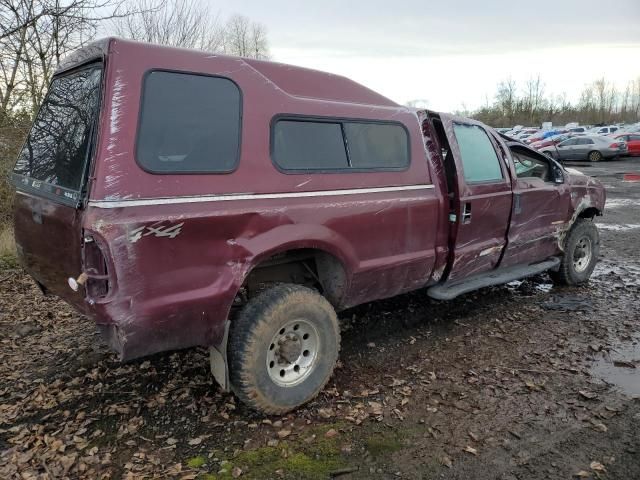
column 584, row 141
column 529, row 165
column 479, row 160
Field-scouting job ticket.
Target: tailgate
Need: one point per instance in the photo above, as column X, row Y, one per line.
column 50, row 177
column 48, row 239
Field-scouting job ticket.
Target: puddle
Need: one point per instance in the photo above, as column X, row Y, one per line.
column 621, row 367
column 618, row 227
column 627, row 275
column 621, row 202
column 532, row 286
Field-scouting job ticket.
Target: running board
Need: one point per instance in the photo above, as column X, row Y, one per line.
column 449, row 291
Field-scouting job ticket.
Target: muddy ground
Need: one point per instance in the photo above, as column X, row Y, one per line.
column 524, row 381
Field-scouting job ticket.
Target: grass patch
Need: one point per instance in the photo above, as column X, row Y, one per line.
column 314, row 459
column 8, row 257
column 383, row 443
column 196, row 462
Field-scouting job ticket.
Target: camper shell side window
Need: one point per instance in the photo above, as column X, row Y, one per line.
column 189, row 123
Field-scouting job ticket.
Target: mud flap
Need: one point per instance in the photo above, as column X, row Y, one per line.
column 218, row 361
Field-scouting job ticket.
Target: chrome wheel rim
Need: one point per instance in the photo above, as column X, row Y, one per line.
column 292, row 353
column 582, row 254
column 594, row 156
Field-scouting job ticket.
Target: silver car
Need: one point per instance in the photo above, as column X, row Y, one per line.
column 588, row 147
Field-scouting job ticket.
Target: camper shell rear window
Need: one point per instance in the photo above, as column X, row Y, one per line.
column 189, row 123
column 55, row 157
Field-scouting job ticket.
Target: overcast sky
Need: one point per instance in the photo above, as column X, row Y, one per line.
column 452, row 53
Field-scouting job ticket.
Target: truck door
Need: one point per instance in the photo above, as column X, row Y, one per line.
column 481, row 206
column 541, row 207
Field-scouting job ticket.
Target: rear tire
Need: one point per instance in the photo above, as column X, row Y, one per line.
column 594, row 156
column 581, row 248
column 282, row 348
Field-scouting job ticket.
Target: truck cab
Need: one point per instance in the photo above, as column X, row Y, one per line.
column 179, row 198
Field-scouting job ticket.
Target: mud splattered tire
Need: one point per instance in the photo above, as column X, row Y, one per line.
column 282, row 348
column 581, row 248
column 594, row 156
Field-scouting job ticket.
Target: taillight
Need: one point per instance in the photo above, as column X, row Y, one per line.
column 95, row 267
column 614, row 145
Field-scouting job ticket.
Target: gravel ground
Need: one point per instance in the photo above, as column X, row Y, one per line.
column 524, row 381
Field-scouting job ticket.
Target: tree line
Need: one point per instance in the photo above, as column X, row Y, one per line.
column 36, row 34
column 600, row 102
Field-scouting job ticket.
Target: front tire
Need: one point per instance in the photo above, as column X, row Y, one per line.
column 581, row 249
column 282, row 348
column 594, row 156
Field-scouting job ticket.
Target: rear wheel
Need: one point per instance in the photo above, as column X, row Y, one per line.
column 283, row 348
column 594, row 156
column 581, row 249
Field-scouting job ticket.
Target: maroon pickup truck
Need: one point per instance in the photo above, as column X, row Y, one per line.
column 181, row 198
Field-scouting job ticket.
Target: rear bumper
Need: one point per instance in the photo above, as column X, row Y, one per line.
column 137, row 326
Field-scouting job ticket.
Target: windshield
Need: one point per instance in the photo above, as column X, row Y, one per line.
column 54, row 157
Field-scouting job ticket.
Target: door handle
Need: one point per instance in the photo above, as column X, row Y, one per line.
column 466, row 213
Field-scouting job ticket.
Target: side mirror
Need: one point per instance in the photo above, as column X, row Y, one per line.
column 558, row 176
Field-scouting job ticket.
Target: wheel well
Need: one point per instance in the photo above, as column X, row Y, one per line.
column 305, row 266
column 590, row 212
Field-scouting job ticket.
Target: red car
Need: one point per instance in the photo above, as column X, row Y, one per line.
column 633, row 142
column 180, row 198
column 547, row 142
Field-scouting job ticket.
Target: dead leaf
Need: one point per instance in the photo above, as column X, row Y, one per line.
column 284, row 433
column 588, row 395
column 326, row 413
column 195, row 441
column 446, row 461
column 331, row 433
column 471, row 450
column 598, row 467
column 531, row 385
column 376, row 408
column 582, row 474
column 599, row 426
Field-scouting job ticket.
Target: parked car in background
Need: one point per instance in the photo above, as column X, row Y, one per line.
column 592, row 147
column 528, row 132
column 550, row 141
column 632, row 140
column 577, row 130
column 542, row 135
column 603, row 130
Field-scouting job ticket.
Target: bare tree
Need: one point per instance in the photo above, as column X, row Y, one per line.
column 506, row 98
column 178, row 23
column 191, row 24
column 35, row 35
column 245, row 38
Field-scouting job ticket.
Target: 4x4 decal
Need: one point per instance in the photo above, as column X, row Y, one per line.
column 157, row 230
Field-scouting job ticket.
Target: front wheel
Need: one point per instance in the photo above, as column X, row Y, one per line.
column 581, row 249
column 282, row 348
column 595, row 156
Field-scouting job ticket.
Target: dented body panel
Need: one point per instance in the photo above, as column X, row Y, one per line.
column 167, row 255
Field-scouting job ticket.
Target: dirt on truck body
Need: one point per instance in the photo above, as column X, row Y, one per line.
column 180, row 198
